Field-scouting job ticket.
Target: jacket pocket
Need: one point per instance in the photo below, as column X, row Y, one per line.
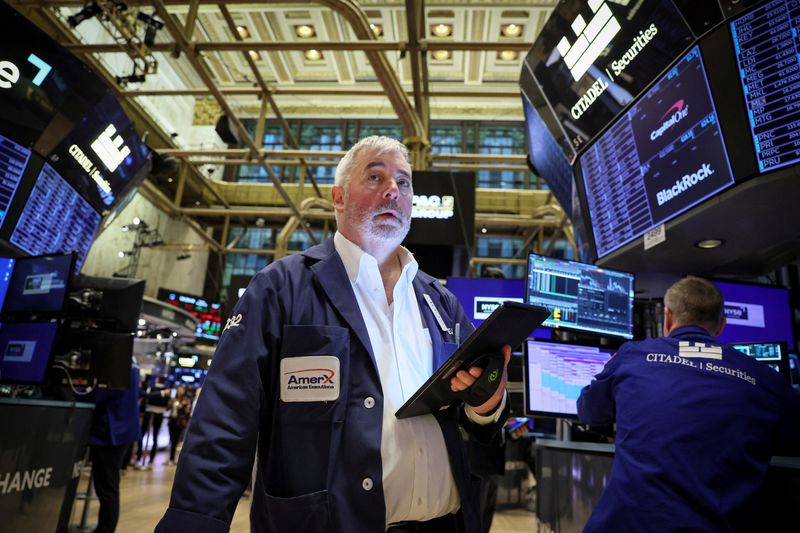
column 300, row 514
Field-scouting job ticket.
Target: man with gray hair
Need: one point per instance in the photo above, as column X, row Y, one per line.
column 320, row 352
column 697, row 423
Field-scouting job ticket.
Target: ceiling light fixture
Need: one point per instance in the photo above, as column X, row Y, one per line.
column 709, row 244
column 304, row 31
column 441, row 30
column 313, row 55
column 377, row 29
column 441, row 55
column 254, row 55
column 511, row 30
column 243, row 32
column 508, row 55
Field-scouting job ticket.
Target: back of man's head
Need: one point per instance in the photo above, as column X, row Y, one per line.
column 695, row 301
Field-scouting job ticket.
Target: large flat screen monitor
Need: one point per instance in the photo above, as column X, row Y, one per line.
column 13, row 160
column 481, row 296
column 555, row 373
column 39, row 284
column 764, row 42
column 773, row 354
column 581, row 296
column 55, row 219
column 25, row 349
column 662, row 157
column 208, row 314
column 756, row 313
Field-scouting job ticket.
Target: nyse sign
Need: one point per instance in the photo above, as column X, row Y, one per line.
column 9, row 72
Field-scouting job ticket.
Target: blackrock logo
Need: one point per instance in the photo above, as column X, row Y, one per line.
column 684, row 184
column 432, row 206
column 677, row 112
column 592, row 39
column 110, row 149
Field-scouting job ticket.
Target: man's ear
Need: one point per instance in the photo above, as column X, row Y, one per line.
column 337, row 195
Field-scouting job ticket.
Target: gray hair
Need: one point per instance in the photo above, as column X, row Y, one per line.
column 377, row 143
column 695, row 302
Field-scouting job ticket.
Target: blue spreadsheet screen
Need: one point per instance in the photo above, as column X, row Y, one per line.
column 13, row 159
column 556, row 373
column 580, row 296
column 765, row 43
column 662, row 157
column 55, row 219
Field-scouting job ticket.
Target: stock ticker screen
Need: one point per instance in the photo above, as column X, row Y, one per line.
column 13, row 159
column 208, row 314
column 765, row 42
column 555, row 373
column 664, row 155
column 55, row 218
column 581, row 296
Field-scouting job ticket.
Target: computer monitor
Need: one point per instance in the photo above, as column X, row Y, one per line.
column 116, row 302
column 555, row 374
column 773, row 354
column 756, row 313
column 580, row 296
column 192, row 377
column 25, row 349
column 6, row 268
column 13, row 160
column 39, row 284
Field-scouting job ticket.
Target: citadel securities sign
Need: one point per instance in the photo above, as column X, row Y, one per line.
column 594, row 57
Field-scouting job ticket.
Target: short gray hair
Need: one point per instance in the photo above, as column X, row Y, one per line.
column 695, row 302
column 377, row 143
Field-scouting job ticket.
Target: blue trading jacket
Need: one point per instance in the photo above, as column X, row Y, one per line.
column 696, row 427
column 314, row 458
column 116, row 414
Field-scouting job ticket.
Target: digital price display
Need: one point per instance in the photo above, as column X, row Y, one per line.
column 664, row 155
column 13, row 159
column 208, row 314
column 55, row 219
column 765, row 42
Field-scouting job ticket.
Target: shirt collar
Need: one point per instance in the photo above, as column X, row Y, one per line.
column 684, row 331
column 353, row 256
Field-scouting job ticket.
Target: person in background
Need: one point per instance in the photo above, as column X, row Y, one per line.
column 155, row 400
column 697, row 423
column 319, row 353
column 178, row 411
column 115, row 425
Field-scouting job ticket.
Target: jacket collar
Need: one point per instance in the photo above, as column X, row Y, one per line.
column 691, row 332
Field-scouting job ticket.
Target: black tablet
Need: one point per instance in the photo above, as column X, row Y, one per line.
column 511, row 323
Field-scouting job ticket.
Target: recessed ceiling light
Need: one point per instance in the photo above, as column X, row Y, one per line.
column 377, row 29
column 441, row 55
column 441, row 30
column 304, row 31
column 243, row 32
column 313, row 55
column 254, row 55
column 508, row 55
column 708, row 244
column 511, row 30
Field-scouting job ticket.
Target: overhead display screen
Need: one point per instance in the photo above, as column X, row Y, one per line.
column 756, row 313
column 765, row 42
column 593, row 58
column 55, row 219
column 208, row 314
column 443, row 209
column 580, row 296
column 664, row 155
column 13, row 159
column 556, row 373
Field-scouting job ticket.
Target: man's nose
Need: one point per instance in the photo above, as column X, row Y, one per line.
column 391, row 191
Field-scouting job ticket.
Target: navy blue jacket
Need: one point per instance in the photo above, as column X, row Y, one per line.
column 696, row 427
column 116, row 414
column 313, row 457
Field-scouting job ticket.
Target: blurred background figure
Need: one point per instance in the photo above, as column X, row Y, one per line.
column 155, row 398
column 179, row 411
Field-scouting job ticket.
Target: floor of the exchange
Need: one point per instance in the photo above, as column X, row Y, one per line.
column 144, row 495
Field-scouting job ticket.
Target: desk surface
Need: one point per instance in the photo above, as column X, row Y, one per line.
column 46, row 403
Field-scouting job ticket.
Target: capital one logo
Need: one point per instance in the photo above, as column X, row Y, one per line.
column 592, row 38
column 111, row 150
column 677, row 112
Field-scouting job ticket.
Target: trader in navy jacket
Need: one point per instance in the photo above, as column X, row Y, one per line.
column 319, row 353
column 697, row 423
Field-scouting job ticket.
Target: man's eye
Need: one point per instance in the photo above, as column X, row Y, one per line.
column 373, row 177
column 403, row 184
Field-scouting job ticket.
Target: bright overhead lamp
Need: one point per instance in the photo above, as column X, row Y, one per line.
column 254, row 55
column 304, row 31
column 511, row 30
column 441, row 30
column 313, row 55
column 507, row 55
column 243, row 32
column 441, row 55
column 709, row 244
column 377, row 29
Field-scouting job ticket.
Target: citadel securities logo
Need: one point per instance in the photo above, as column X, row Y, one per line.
column 684, row 184
column 592, row 39
column 111, row 150
column 677, row 112
column 311, row 378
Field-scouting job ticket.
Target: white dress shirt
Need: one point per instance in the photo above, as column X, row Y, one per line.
column 418, row 483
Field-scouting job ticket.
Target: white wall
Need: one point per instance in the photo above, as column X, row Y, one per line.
column 157, row 265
